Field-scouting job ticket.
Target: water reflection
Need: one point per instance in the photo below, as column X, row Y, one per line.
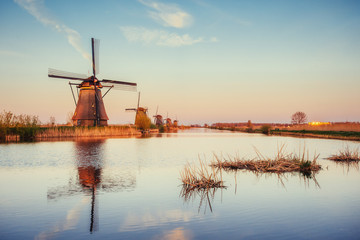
column 89, row 162
column 348, row 165
column 89, row 159
column 205, row 195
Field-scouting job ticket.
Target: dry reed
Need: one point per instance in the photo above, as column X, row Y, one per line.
column 346, row 155
column 282, row 163
column 200, row 177
column 71, row 132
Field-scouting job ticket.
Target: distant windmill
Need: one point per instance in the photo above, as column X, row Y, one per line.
column 158, row 119
column 90, row 109
column 139, row 110
column 168, row 121
column 176, row 122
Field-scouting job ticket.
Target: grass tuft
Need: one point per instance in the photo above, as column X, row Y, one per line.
column 200, row 177
column 346, row 155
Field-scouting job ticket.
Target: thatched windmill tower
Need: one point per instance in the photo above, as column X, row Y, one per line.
column 175, row 123
column 141, row 112
column 90, row 109
column 158, row 119
column 168, row 121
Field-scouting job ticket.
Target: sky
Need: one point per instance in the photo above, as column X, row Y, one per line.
column 195, row 60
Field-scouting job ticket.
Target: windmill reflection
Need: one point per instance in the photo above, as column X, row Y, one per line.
column 89, row 159
column 91, row 177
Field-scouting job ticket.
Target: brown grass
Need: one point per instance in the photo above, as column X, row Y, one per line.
column 71, row 132
column 200, row 177
column 346, row 155
column 282, row 163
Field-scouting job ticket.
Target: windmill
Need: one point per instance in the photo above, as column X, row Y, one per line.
column 158, row 119
column 175, row 123
column 168, row 121
column 139, row 110
column 90, row 109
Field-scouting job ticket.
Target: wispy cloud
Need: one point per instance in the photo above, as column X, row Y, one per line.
column 169, row 15
column 158, row 37
column 8, row 53
column 37, row 9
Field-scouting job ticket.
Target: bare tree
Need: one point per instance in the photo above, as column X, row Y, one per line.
column 298, row 118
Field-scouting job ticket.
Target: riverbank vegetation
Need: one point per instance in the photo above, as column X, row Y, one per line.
column 76, row 132
column 20, row 127
column 343, row 131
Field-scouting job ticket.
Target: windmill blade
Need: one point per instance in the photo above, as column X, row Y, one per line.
column 130, row 109
column 121, row 85
column 119, row 82
column 54, row 73
column 138, row 101
column 95, row 44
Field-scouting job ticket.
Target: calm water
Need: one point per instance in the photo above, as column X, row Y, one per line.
column 130, row 189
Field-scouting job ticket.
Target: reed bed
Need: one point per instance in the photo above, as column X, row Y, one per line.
column 282, row 163
column 346, row 155
column 200, row 177
column 71, row 132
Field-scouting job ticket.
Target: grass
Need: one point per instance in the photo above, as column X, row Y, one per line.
column 200, row 177
column 347, row 135
column 21, row 127
column 346, row 155
column 282, row 163
column 70, row 132
column 200, row 181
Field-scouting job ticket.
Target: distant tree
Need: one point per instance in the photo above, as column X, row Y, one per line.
column 265, row 129
column 298, row 118
column 249, row 124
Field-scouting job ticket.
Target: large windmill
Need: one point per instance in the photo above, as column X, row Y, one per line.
column 90, row 109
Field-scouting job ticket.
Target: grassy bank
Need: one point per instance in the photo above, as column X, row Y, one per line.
column 18, row 134
column 343, row 135
column 71, row 132
column 347, row 134
column 20, row 127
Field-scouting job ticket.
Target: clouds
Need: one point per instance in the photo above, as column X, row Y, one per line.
column 169, row 16
column 37, row 9
column 158, row 37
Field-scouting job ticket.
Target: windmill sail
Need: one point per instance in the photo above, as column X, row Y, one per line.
column 90, row 109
